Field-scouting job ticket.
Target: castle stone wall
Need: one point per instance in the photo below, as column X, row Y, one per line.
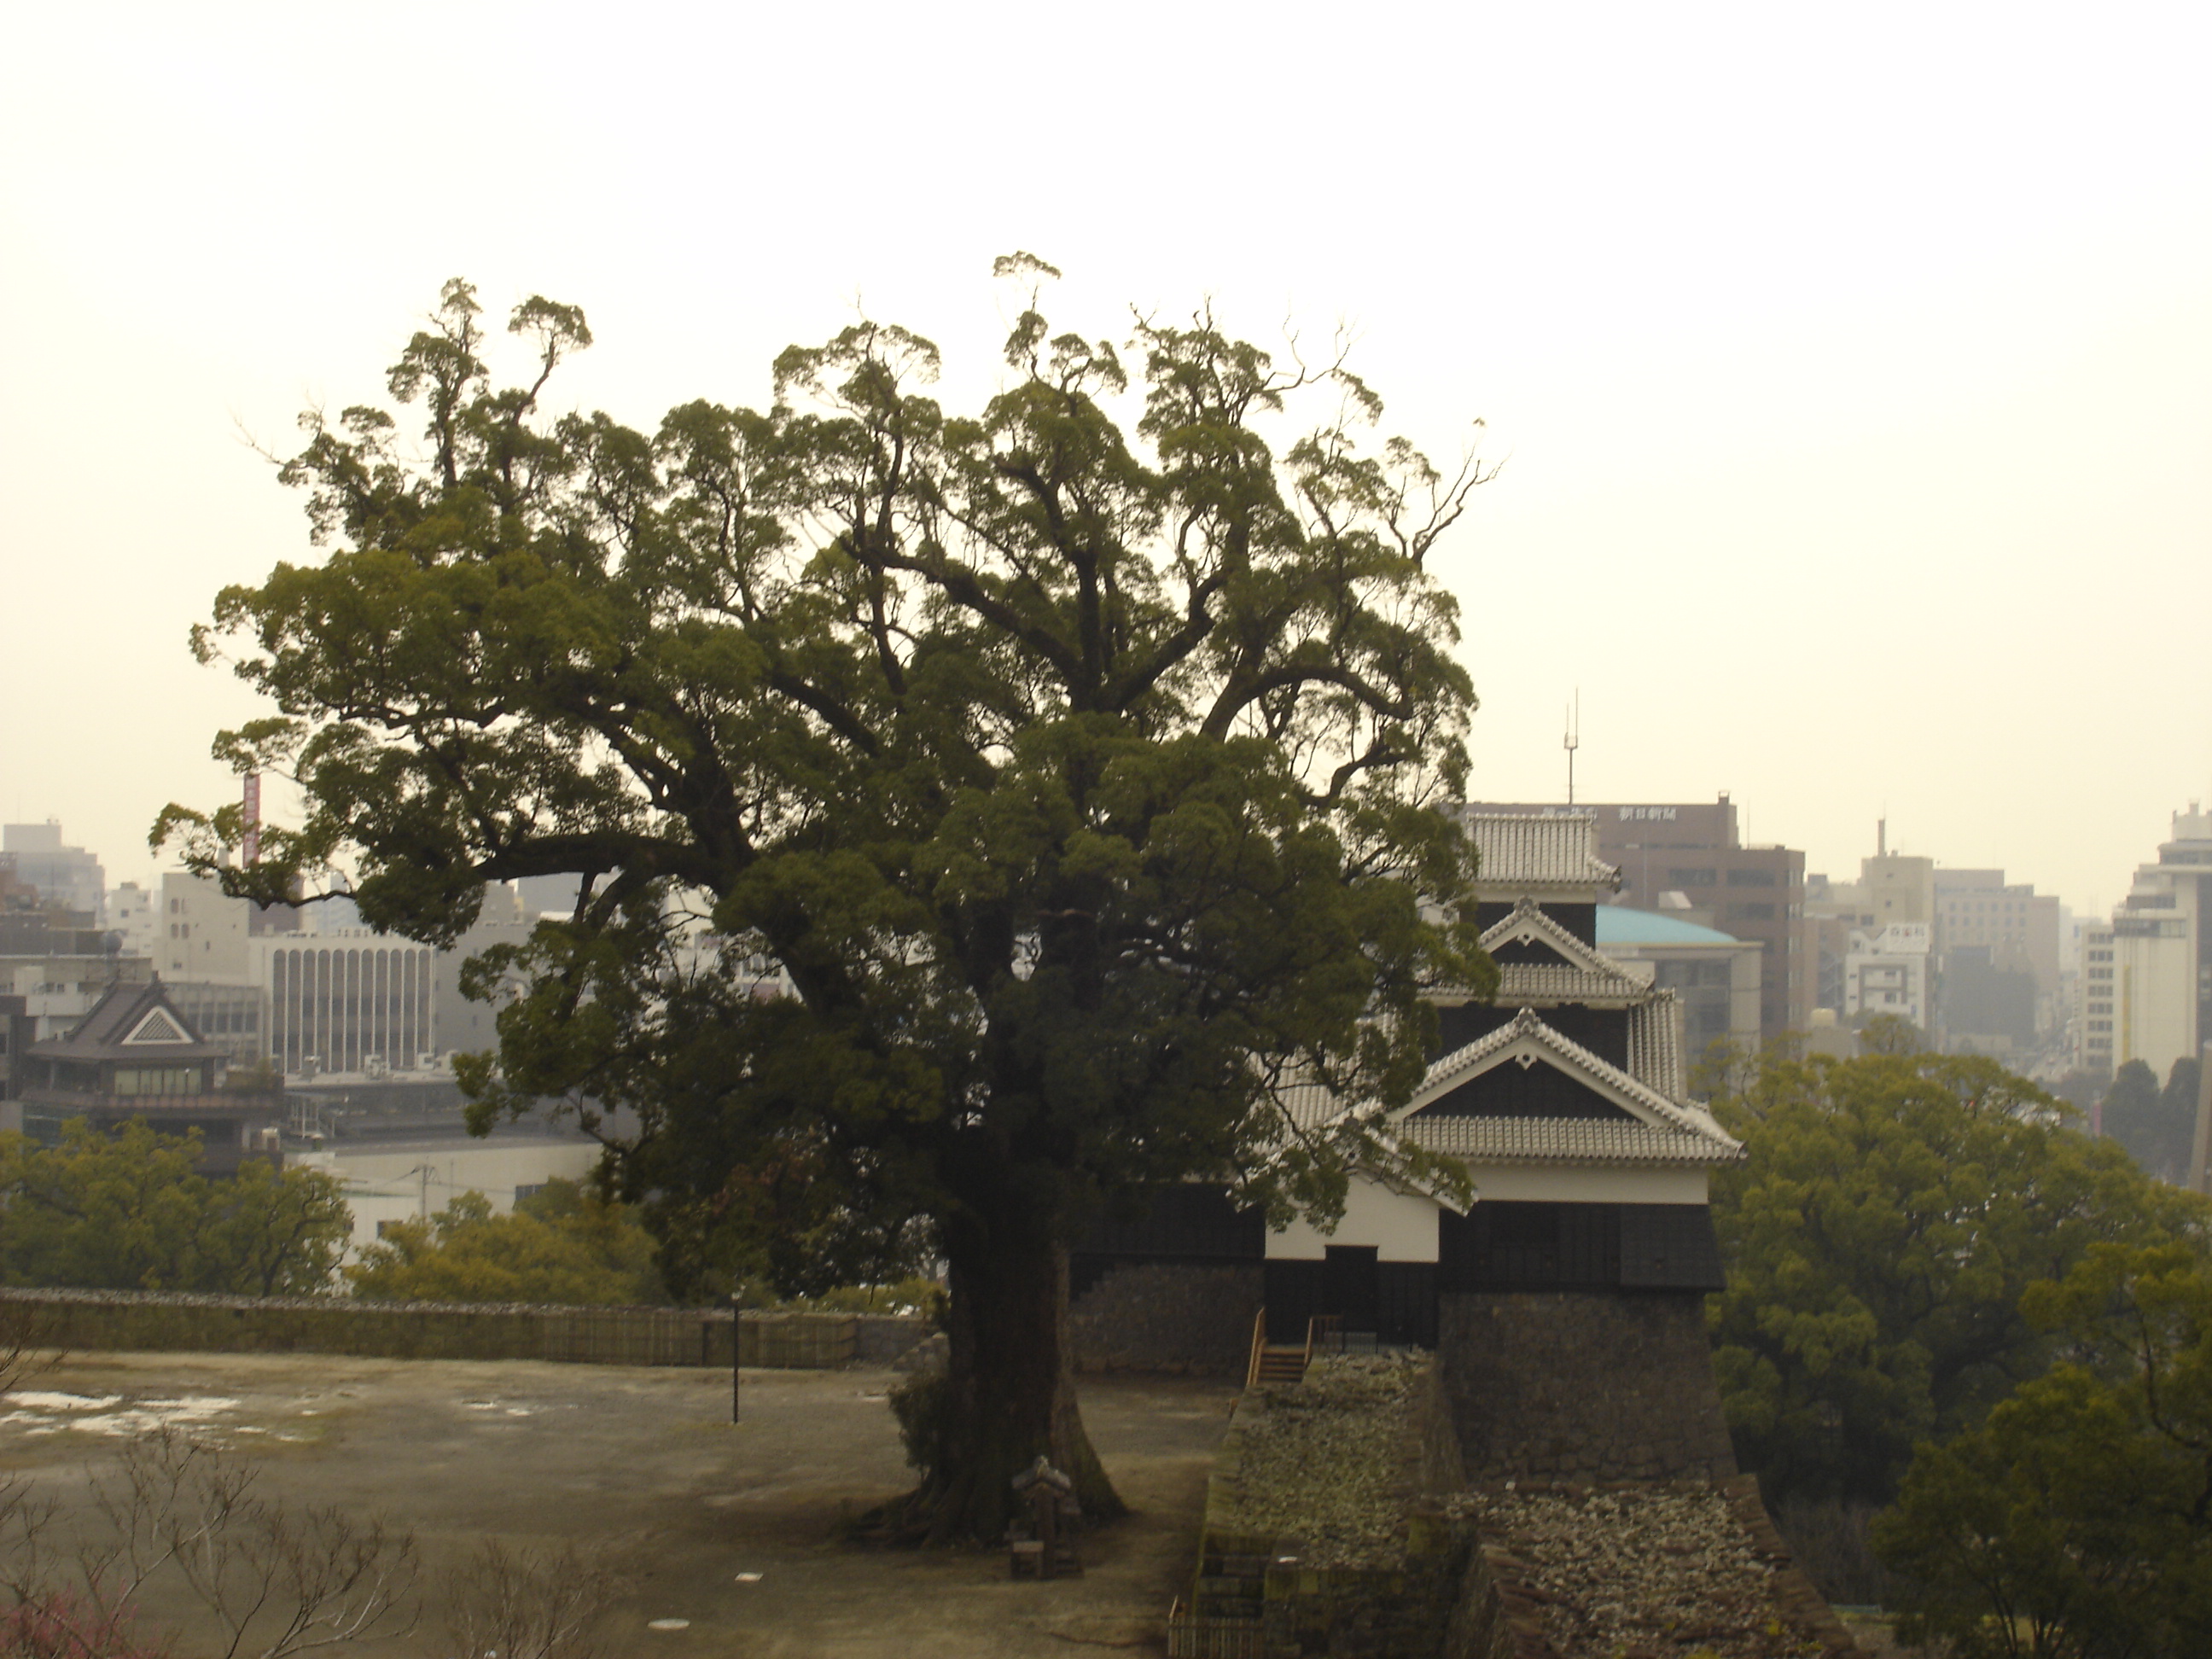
column 1589, row 1385
column 1185, row 1319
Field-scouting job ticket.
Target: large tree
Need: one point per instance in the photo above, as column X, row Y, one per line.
column 1079, row 766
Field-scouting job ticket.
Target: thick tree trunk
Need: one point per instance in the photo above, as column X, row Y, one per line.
column 1009, row 1396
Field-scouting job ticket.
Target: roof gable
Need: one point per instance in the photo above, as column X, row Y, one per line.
column 1543, row 943
column 1525, row 1040
column 131, row 1021
column 1533, row 1087
column 156, row 1027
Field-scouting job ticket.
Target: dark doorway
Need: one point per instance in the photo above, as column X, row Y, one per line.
column 1350, row 1285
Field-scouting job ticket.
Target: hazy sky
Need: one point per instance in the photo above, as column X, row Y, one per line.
column 1850, row 364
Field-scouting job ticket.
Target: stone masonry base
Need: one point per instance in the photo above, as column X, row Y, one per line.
column 1583, row 1385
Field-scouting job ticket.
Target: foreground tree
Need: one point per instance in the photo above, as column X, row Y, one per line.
column 1084, row 786
column 2076, row 1521
column 1893, row 1213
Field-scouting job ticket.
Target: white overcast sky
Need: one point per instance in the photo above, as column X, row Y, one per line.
column 1850, row 364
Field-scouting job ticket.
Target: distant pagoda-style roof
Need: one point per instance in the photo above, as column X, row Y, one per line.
column 131, row 1022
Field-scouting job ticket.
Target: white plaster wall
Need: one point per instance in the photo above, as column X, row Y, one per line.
column 1402, row 1227
column 1520, row 1183
column 406, row 1182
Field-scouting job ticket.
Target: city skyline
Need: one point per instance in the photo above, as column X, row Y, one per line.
column 1846, row 373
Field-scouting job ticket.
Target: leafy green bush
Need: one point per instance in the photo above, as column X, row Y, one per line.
column 561, row 1244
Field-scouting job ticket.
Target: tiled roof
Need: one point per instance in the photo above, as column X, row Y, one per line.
column 1526, row 853
column 1564, row 1141
column 1309, row 1105
column 1655, row 1044
column 1671, row 1131
column 103, row 1033
column 1544, row 984
column 1587, row 975
column 1527, row 1028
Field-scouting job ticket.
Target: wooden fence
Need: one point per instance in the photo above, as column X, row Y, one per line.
column 161, row 1321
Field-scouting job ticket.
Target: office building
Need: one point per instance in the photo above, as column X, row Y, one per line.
column 2146, row 986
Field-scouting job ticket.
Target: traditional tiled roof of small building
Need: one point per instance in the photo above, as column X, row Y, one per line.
column 131, row 1021
column 1539, row 856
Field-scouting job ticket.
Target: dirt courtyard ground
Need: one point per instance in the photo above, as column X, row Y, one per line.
column 643, row 1468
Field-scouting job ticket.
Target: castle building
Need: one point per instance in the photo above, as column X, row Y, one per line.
column 1567, row 1301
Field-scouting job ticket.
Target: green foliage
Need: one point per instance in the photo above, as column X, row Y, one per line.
column 2157, row 1126
column 1086, row 775
column 561, row 1245
column 920, row 1401
column 1891, row 1034
column 2076, row 1521
column 126, row 1212
column 1064, row 778
column 1892, row 1213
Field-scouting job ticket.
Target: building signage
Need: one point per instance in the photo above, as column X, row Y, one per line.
column 1647, row 814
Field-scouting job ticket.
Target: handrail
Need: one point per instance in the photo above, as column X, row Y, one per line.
column 1259, row 1347
column 1319, row 1326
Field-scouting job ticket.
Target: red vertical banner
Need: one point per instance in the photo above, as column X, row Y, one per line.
column 250, row 851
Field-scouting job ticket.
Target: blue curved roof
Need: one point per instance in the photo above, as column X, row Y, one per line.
column 1618, row 925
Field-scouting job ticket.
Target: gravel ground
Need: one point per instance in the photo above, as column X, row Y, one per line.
column 1641, row 1572
column 1319, row 1461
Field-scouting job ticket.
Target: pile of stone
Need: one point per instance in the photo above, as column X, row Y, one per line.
column 1647, row 1571
column 1320, row 1462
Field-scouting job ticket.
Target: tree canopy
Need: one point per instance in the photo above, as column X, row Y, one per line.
column 561, row 1244
column 127, row 1211
column 2076, row 1521
column 2157, row 1126
column 1079, row 763
column 1893, row 1215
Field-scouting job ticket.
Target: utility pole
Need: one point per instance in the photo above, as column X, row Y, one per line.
column 1573, row 741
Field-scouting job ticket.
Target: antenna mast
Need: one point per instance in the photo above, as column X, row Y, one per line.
column 1573, row 741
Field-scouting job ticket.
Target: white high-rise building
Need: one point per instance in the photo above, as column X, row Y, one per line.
column 2146, row 985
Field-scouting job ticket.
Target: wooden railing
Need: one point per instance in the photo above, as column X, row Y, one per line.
column 1324, row 1334
column 1259, row 1347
